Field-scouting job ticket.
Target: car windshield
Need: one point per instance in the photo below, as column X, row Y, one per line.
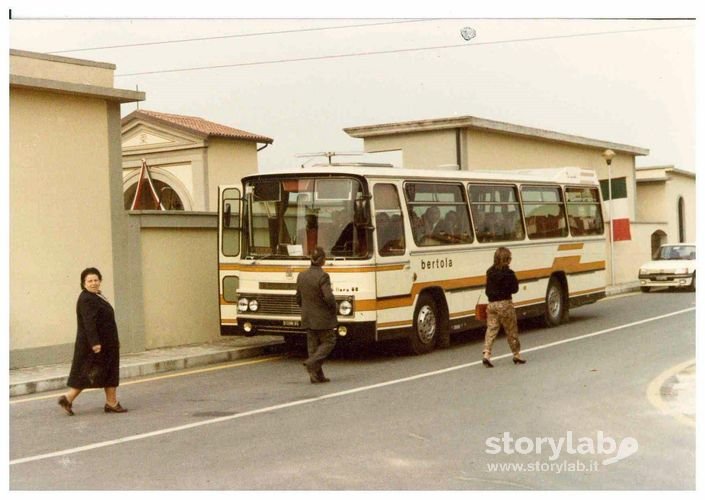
column 676, row 252
column 289, row 217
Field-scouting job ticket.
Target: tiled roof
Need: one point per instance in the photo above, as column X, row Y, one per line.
column 196, row 125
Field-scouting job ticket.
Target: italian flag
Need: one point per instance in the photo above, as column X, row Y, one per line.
column 617, row 208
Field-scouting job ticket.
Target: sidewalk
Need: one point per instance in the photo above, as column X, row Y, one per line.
column 24, row 381
column 35, row 379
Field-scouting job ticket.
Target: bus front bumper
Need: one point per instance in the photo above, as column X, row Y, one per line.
column 248, row 327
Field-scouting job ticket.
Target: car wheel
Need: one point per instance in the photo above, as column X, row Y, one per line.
column 691, row 288
column 645, row 289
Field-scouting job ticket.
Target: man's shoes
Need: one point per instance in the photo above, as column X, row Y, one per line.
column 487, row 363
column 114, row 409
column 66, row 405
column 518, row 361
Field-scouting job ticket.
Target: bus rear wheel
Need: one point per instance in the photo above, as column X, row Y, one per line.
column 426, row 326
column 556, row 303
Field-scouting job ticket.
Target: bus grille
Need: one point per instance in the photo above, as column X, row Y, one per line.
column 278, row 304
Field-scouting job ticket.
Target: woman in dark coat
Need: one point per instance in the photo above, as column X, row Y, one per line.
column 96, row 356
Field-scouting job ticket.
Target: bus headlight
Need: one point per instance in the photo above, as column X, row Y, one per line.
column 345, row 308
column 242, row 305
column 254, row 305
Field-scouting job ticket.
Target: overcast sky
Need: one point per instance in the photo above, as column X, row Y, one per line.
column 301, row 81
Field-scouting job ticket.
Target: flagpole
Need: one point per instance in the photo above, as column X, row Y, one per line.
column 608, row 154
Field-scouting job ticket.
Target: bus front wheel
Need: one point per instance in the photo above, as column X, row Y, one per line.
column 426, row 326
column 555, row 303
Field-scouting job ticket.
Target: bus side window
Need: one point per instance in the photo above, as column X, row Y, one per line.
column 388, row 220
column 584, row 211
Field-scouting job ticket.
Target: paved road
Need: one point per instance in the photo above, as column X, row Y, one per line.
column 390, row 421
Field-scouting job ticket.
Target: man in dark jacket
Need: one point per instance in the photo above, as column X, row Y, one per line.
column 318, row 314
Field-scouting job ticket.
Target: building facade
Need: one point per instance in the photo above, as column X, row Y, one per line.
column 188, row 157
column 667, row 195
column 66, row 203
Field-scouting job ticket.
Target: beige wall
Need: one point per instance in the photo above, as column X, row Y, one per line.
column 420, row 149
column 228, row 161
column 180, row 285
column 653, row 199
column 486, row 149
column 62, row 69
column 65, row 193
column 60, row 211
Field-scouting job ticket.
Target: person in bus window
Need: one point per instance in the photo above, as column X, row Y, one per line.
column 417, row 229
column 501, row 285
column 448, row 229
column 318, row 314
column 432, row 220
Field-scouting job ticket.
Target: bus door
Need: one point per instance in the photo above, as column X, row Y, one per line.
column 394, row 277
column 229, row 238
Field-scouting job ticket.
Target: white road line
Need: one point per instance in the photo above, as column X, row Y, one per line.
column 291, row 404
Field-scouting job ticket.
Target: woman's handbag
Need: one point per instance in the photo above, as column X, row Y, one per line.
column 93, row 370
column 480, row 310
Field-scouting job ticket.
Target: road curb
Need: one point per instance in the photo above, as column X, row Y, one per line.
column 622, row 288
column 673, row 392
column 138, row 368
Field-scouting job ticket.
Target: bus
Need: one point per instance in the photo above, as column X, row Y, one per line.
column 407, row 249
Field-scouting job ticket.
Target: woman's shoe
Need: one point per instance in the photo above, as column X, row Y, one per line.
column 114, row 409
column 487, row 363
column 66, row 405
column 518, row 361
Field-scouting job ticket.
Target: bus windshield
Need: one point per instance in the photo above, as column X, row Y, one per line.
column 289, row 217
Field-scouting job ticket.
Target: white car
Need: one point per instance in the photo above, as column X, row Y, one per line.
column 673, row 266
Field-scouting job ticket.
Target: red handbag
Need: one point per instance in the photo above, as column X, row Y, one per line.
column 480, row 311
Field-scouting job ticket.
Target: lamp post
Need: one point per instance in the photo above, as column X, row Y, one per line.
column 608, row 154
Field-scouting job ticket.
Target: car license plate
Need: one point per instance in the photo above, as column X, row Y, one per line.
column 661, row 278
column 290, row 323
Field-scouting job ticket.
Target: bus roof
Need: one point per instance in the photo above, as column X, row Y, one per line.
column 560, row 175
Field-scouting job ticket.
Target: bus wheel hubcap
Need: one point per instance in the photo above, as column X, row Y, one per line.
column 554, row 302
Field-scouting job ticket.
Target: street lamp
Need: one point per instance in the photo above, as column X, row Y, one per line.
column 608, row 154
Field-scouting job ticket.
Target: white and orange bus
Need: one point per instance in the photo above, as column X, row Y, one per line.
column 407, row 249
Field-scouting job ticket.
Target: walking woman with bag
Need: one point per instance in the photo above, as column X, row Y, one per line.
column 501, row 285
column 96, row 358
